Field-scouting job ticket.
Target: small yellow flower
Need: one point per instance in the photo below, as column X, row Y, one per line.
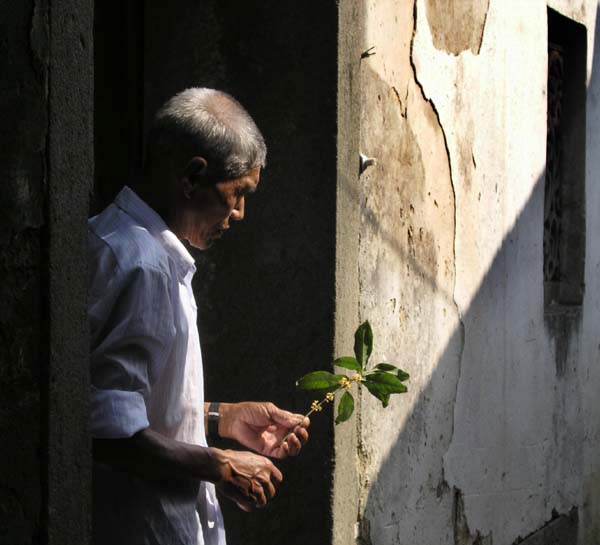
column 316, row 406
column 329, row 397
column 344, row 382
column 356, row 377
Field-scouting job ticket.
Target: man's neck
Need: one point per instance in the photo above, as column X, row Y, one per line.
column 158, row 199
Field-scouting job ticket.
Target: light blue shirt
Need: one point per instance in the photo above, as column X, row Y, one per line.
column 146, row 371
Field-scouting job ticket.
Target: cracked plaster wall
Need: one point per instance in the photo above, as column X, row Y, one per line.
column 490, row 442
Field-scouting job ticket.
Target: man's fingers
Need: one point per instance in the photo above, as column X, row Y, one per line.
column 286, row 418
column 269, row 488
column 252, row 479
column 301, row 433
column 244, row 506
column 258, row 495
column 246, row 500
column 294, row 445
column 276, row 473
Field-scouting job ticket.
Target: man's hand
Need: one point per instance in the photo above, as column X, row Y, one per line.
column 246, row 478
column 262, row 426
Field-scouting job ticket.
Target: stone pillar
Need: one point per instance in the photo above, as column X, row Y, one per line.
column 70, row 175
column 46, row 167
column 346, row 483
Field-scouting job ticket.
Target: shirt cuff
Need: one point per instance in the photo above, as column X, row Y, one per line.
column 117, row 414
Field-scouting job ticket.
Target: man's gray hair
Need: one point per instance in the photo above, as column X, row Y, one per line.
column 208, row 123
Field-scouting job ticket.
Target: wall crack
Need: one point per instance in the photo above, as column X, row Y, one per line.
column 452, row 184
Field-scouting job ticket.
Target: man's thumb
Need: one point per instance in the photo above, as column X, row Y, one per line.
column 286, row 418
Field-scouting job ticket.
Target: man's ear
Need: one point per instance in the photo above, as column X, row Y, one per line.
column 194, row 174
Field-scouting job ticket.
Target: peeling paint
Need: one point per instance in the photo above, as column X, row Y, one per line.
column 456, row 307
column 457, row 25
column 406, row 257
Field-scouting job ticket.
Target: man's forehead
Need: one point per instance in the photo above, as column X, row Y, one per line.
column 251, row 178
column 247, row 182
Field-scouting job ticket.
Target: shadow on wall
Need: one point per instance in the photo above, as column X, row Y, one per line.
column 493, row 450
column 496, row 434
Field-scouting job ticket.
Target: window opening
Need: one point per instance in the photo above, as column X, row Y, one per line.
column 564, row 190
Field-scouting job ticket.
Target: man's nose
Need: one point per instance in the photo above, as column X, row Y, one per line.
column 237, row 213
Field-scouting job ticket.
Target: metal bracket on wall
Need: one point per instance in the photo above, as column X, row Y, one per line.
column 365, row 162
column 368, row 53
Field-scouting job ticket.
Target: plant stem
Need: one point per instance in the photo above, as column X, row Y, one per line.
column 312, row 410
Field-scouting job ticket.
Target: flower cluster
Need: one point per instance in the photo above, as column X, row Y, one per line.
column 345, row 383
column 356, row 377
column 316, row 406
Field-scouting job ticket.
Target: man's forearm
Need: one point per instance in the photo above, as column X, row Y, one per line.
column 150, row 455
column 247, row 478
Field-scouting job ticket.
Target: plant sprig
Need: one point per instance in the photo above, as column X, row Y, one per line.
column 382, row 380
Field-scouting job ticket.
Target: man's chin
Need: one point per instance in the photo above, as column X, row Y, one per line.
column 201, row 244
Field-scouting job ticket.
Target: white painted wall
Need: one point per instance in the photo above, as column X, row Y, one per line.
column 489, row 437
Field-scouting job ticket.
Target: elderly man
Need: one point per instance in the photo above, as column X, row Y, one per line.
column 154, row 475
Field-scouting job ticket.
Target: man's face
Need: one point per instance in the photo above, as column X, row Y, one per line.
column 212, row 209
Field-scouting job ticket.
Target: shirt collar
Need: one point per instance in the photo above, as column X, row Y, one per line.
column 128, row 201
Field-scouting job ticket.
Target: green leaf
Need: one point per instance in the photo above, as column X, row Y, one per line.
column 348, row 362
column 393, row 370
column 382, row 384
column 363, row 343
column 345, row 408
column 379, row 391
column 386, row 367
column 402, row 375
column 319, row 380
column 386, row 380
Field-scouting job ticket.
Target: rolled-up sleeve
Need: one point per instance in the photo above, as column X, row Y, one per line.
column 131, row 335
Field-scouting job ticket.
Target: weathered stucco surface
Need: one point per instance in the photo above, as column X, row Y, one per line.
column 407, row 275
column 495, row 439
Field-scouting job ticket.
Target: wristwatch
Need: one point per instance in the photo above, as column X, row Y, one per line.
column 212, row 418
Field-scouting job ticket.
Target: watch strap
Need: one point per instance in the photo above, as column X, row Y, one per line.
column 212, row 418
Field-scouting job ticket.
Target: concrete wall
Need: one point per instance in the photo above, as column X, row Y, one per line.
column 46, row 169
column 498, row 435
